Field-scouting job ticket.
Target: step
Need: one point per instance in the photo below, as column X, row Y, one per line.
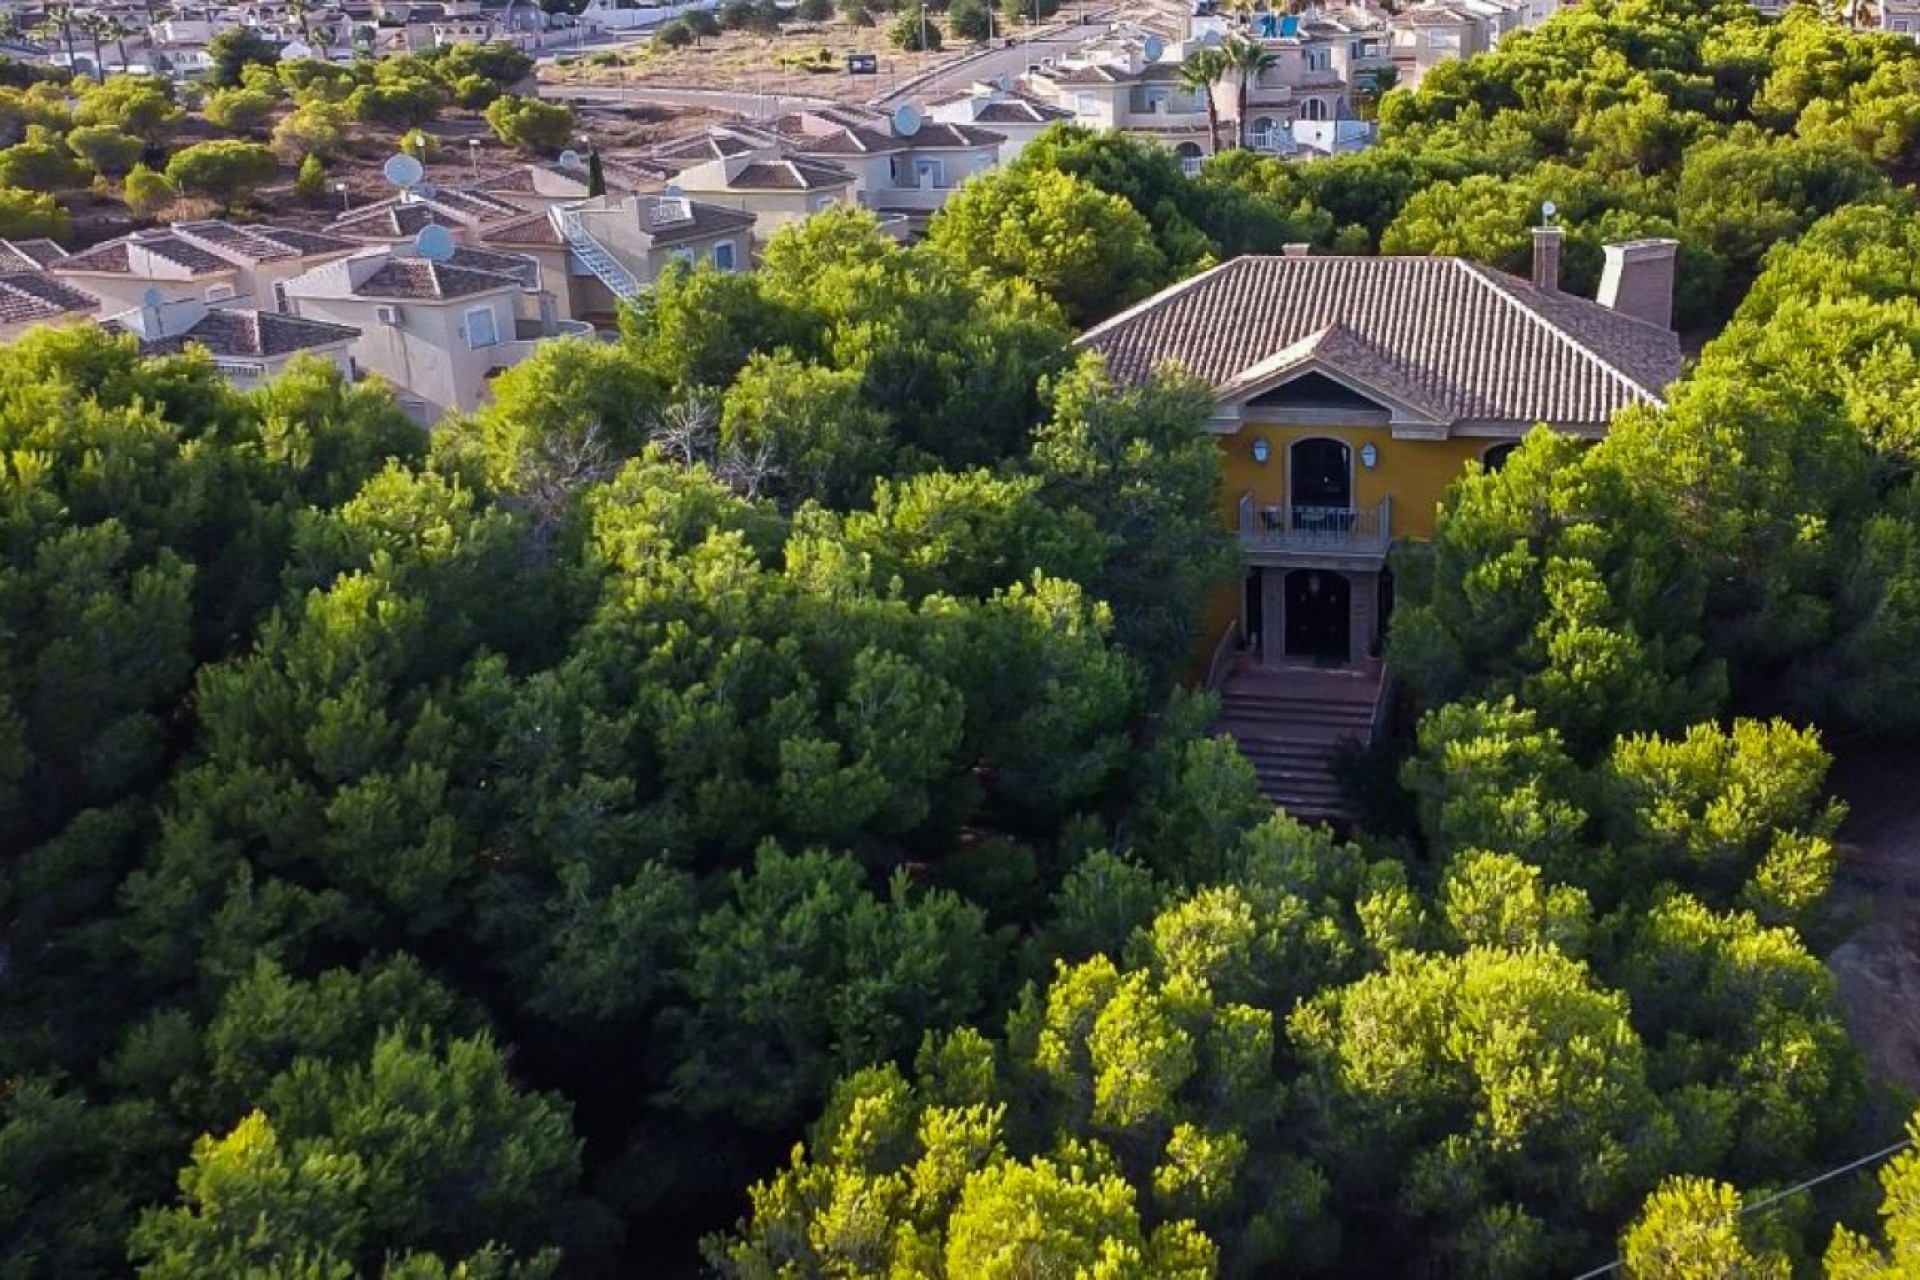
column 1281, row 704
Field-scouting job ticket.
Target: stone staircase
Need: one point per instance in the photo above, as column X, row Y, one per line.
column 1288, row 723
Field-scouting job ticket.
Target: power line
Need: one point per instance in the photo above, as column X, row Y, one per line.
column 1778, row 1196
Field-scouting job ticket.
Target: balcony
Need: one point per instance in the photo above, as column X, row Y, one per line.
column 1334, row 534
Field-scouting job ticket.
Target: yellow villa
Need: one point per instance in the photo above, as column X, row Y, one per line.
column 1349, row 392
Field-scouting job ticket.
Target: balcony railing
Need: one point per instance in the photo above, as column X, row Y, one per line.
column 1326, row 530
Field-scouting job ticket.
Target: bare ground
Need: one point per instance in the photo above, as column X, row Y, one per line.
column 1878, row 967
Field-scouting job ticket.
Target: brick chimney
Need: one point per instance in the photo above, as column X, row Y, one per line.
column 1637, row 280
column 1546, row 257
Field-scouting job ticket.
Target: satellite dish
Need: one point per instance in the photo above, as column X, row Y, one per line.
column 906, row 120
column 1548, row 210
column 569, row 159
column 1211, row 40
column 426, row 191
column 1155, row 46
column 403, row 170
column 434, row 243
column 152, row 299
column 673, row 189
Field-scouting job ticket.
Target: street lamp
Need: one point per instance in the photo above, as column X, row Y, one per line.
column 341, row 187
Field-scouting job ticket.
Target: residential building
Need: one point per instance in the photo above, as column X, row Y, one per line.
column 213, row 261
column 597, row 253
column 1351, row 391
column 1113, row 85
column 31, row 298
column 776, row 189
column 248, row 346
column 908, row 171
column 1017, row 117
column 399, row 218
column 437, row 330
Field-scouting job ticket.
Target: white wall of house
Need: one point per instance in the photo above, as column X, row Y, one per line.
column 437, row 354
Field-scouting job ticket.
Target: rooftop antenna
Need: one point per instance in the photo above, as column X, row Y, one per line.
column 434, row 243
column 403, row 171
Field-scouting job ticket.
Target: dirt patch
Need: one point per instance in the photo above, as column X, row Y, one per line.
column 790, row 63
column 1878, row 967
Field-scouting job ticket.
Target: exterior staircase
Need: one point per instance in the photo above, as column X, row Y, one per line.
column 1289, row 722
column 605, row 267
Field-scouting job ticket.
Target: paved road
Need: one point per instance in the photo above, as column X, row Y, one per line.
column 991, row 64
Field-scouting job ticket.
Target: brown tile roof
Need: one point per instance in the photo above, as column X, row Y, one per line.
column 1455, row 341
column 786, row 175
column 419, row 278
column 28, row 296
column 394, row 218
column 932, row 135
column 29, row 255
column 534, row 229
column 714, row 144
column 116, row 256
column 242, row 334
column 1020, row 111
column 517, row 265
column 385, row 221
column 672, row 219
column 261, row 244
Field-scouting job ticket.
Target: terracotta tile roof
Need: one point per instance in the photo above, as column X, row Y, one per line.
column 394, row 218
column 1020, row 111
column 385, row 221
column 714, row 144
column 786, row 175
column 932, row 135
column 261, row 244
column 534, row 229
column 116, row 257
column 672, row 219
column 28, row 296
column 517, row 265
column 419, row 278
column 1454, row 340
column 242, row 334
column 29, row 255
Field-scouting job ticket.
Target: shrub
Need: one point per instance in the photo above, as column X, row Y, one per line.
column 107, row 149
column 971, row 19
column 914, row 32
column 147, row 192
column 222, row 171
column 673, row 35
column 311, row 185
column 240, row 111
column 530, row 124
column 27, row 214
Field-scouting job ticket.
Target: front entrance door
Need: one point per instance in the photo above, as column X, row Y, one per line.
column 1319, row 615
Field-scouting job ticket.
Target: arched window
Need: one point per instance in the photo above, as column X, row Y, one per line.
column 1496, row 456
column 1313, row 109
column 1321, row 474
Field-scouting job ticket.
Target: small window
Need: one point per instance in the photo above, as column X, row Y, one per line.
column 280, row 302
column 682, row 256
column 482, row 329
column 819, row 203
column 723, row 255
column 929, row 174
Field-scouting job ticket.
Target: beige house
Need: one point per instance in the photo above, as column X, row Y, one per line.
column 596, row 253
column 437, row 330
column 1115, row 86
column 910, row 173
column 775, row 189
column 248, row 346
column 31, row 298
column 1017, row 117
column 210, row 261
